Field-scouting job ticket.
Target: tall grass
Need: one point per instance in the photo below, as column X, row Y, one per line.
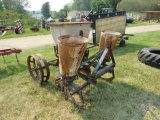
column 134, row 94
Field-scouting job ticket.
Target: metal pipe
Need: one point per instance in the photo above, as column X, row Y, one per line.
column 79, row 88
column 104, row 70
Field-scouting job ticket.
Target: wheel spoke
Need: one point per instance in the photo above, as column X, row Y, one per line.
column 35, row 68
column 45, row 67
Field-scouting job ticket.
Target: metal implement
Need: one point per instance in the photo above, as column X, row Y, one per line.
column 73, row 91
column 38, row 68
column 4, row 52
column 74, row 62
column 18, row 28
column 72, row 52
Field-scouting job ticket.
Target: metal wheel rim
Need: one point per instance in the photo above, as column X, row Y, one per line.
column 46, row 67
column 39, row 75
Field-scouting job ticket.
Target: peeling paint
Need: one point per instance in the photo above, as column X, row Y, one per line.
column 74, row 66
column 71, row 51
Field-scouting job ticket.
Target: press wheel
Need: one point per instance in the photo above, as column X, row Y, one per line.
column 77, row 98
column 38, row 68
column 45, row 67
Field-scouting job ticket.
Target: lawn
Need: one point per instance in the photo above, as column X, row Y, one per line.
column 27, row 32
column 141, row 23
column 42, row 31
column 134, row 94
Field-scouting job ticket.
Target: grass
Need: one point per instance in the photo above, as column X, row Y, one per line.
column 141, row 23
column 27, row 32
column 134, row 94
column 42, row 31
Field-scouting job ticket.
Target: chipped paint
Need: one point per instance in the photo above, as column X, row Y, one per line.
column 71, row 51
column 74, row 67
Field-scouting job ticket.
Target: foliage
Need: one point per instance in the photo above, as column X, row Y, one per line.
column 67, row 7
column 97, row 5
column 114, row 3
column 9, row 16
column 62, row 12
column 54, row 14
column 138, row 5
column 46, row 10
column 1, row 5
column 27, row 31
column 15, row 5
column 81, row 5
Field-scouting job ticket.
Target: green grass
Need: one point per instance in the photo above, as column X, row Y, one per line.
column 42, row 31
column 27, row 32
column 141, row 23
column 134, row 94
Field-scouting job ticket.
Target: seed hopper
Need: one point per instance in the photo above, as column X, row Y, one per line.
column 71, row 46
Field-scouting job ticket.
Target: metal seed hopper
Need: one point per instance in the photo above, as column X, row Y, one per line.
column 70, row 46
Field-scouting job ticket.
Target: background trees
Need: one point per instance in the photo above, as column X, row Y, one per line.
column 81, row 5
column 1, row 5
column 138, row 5
column 11, row 10
column 127, row 5
column 114, row 3
column 15, row 9
column 46, row 10
column 96, row 5
column 17, row 5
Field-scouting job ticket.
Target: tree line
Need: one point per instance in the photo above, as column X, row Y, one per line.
column 96, row 5
column 16, row 5
column 17, row 8
column 11, row 10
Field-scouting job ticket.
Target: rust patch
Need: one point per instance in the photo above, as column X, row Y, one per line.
column 105, row 37
column 71, row 51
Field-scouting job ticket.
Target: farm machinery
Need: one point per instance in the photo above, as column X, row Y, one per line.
column 18, row 28
column 72, row 46
column 8, row 51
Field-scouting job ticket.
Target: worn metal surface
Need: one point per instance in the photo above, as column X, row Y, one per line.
column 69, row 28
column 9, row 51
column 38, row 68
column 107, row 36
column 116, row 23
column 71, row 51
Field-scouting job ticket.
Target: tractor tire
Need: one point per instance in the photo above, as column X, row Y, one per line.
column 150, row 57
column 16, row 31
column 122, row 43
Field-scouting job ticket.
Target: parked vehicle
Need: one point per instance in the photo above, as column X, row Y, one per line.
column 129, row 19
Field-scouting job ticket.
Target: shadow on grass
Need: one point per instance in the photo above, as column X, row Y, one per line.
column 129, row 48
column 9, row 70
column 121, row 101
column 50, row 87
column 115, row 101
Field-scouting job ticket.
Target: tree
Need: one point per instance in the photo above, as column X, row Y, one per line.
column 85, row 5
column 7, row 4
column 20, row 5
column 114, row 3
column 1, row 5
column 67, row 7
column 81, row 5
column 46, row 10
column 96, row 5
column 17, row 5
column 54, row 14
column 138, row 5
